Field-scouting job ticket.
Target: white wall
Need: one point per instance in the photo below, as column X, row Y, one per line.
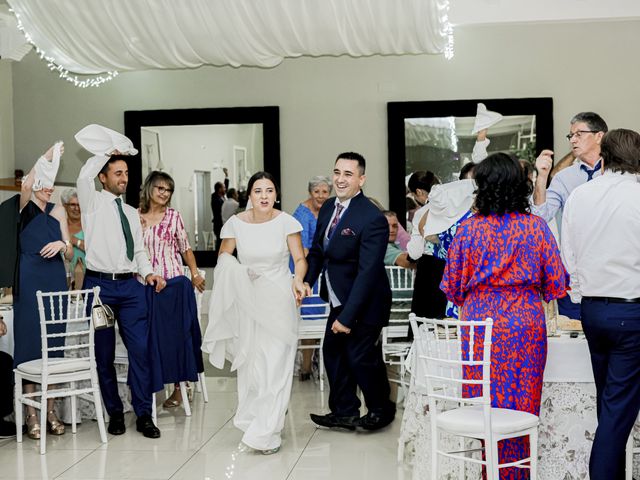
column 185, row 149
column 203, row 147
column 6, row 120
column 329, row 105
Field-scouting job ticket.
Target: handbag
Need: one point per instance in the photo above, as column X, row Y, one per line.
column 102, row 315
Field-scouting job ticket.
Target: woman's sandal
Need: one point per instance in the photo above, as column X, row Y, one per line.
column 55, row 426
column 271, row 451
column 33, row 429
column 173, row 402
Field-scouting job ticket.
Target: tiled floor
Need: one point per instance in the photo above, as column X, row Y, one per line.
column 206, row 447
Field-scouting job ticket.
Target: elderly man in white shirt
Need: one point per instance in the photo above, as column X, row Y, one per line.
column 601, row 251
column 585, row 136
column 114, row 254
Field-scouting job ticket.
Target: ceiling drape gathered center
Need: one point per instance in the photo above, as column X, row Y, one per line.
column 95, row 36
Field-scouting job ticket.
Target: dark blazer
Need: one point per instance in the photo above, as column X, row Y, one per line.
column 216, row 209
column 354, row 259
column 9, row 243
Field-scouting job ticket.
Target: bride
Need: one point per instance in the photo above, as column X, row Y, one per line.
column 253, row 319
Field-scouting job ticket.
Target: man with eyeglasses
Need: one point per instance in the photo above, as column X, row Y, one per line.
column 585, row 136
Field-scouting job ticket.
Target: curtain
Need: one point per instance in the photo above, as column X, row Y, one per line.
column 95, row 36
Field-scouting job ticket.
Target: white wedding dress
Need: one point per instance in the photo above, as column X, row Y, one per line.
column 253, row 322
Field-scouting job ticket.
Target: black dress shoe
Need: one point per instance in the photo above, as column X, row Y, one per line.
column 144, row 424
column 331, row 420
column 116, row 424
column 375, row 420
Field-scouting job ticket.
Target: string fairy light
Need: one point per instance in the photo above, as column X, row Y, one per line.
column 63, row 72
column 447, row 30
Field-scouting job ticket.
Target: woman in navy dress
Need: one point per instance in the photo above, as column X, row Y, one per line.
column 502, row 262
column 43, row 237
column 175, row 331
column 307, row 215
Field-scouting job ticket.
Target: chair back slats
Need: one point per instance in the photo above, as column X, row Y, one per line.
column 72, row 311
column 401, row 282
column 400, row 278
column 439, row 344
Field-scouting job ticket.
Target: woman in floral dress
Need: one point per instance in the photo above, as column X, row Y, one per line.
column 502, row 262
column 175, row 330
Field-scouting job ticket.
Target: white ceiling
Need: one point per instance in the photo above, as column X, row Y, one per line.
column 487, row 12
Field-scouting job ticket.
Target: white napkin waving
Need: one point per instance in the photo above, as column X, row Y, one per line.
column 101, row 140
column 46, row 171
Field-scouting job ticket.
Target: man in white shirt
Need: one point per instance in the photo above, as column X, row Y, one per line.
column 601, row 250
column 585, row 136
column 114, row 254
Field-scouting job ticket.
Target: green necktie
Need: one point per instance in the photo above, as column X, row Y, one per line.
column 126, row 229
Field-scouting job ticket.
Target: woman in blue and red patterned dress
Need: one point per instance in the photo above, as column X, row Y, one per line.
column 502, row 261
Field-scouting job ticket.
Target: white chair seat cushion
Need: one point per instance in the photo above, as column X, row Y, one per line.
column 470, row 420
column 57, row 365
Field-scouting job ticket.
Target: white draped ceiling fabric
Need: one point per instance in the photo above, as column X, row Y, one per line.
column 97, row 36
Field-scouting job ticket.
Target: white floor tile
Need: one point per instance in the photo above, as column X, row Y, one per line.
column 27, row 463
column 205, row 446
column 240, row 465
column 109, row 464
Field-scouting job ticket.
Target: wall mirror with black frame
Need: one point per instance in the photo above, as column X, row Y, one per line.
column 195, row 147
column 436, row 136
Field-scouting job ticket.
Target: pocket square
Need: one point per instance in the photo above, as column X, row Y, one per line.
column 347, row 232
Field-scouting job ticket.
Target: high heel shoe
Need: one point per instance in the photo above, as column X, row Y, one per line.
column 54, row 425
column 33, row 429
column 174, row 400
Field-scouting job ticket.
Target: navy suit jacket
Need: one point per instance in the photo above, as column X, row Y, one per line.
column 354, row 259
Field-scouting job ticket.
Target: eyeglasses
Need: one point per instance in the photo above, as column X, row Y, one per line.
column 73, row 205
column 162, row 189
column 578, row 133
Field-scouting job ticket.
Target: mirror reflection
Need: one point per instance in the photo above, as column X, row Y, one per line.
column 195, row 146
column 444, row 145
column 198, row 157
column 438, row 136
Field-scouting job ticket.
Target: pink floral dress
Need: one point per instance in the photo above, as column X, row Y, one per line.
column 166, row 242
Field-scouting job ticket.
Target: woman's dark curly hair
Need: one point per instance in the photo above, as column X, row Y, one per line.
column 502, row 186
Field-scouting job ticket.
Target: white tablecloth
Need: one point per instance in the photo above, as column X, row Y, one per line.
column 567, row 417
column 568, row 360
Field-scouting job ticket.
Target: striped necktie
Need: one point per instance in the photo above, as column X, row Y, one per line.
column 126, row 229
column 335, row 221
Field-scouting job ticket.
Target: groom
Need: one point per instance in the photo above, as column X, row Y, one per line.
column 348, row 249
